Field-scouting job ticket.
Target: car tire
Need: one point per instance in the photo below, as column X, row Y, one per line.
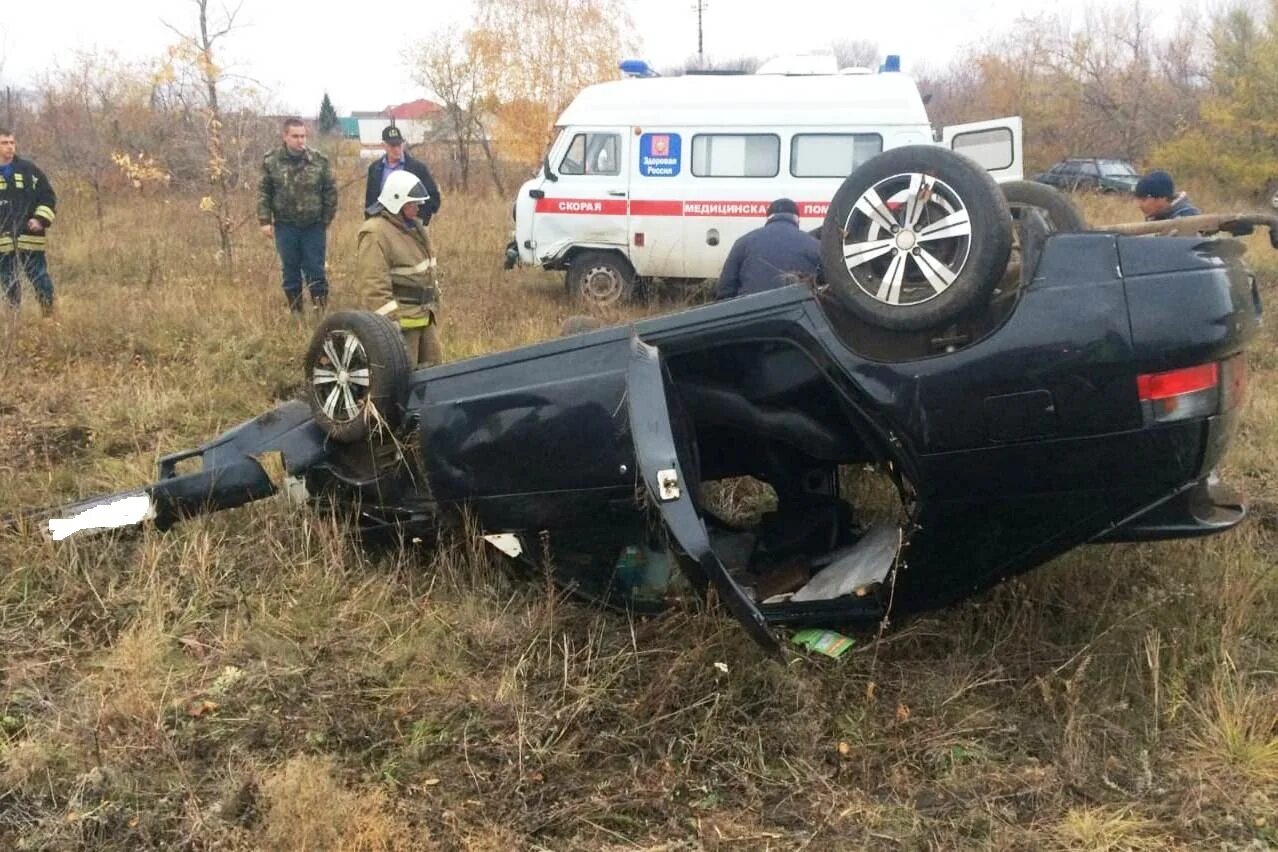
column 1061, row 213
column 915, row 237
column 356, row 371
column 600, row 278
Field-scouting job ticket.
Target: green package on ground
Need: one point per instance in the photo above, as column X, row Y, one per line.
column 823, row 642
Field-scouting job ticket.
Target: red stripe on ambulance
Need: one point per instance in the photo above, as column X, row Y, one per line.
column 646, row 207
column 640, row 207
column 753, row 209
column 582, row 206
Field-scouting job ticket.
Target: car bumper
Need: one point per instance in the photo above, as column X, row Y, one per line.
column 1207, row 507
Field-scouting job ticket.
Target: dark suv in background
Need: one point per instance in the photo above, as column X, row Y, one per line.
column 1104, row 175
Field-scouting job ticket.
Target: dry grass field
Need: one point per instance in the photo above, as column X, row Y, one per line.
column 253, row 680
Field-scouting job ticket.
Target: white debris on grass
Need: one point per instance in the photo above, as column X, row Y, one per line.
column 507, row 543
column 115, row 513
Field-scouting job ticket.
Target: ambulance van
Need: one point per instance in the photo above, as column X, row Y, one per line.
column 656, row 177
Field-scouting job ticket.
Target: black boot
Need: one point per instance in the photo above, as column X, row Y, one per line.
column 294, row 302
column 320, row 303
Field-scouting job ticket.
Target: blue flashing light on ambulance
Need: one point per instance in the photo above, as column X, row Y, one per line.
column 655, row 177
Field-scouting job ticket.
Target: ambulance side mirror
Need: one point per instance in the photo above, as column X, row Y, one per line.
column 536, row 193
column 712, row 237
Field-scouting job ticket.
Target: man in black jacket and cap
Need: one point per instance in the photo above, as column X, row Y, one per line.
column 1156, row 196
column 773, row 256
column 396, row 158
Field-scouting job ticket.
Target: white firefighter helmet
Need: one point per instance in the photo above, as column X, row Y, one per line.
column 401, row 188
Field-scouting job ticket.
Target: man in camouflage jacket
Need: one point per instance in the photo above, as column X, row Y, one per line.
column 296, row 201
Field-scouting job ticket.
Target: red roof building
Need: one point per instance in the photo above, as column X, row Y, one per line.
column 421, row 109
column 415, row 119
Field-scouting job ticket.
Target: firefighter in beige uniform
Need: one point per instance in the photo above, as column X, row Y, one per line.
column 395, row 267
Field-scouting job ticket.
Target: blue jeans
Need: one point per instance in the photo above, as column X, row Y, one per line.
column 301, row 254
column 37, row 270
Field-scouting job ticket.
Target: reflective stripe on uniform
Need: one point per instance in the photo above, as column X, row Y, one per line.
column 389, row 308
column 45, row 212
column 414, row 322
column 428, row 263
column 25, row 243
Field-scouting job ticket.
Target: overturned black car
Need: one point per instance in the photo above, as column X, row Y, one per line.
column 1083, row 391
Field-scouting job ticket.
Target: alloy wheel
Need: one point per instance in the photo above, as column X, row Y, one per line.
column 340, row 379
column 907, row 239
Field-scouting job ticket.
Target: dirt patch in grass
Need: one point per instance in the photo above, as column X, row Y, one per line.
column 48, row 445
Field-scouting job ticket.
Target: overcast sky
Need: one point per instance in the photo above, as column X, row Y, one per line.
column 297, row 51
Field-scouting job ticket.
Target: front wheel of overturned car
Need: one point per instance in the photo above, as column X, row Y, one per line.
column 915, row 237
column 356, row 372
column 600, row 278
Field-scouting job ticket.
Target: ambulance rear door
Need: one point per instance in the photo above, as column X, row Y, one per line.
column 585, row 199
column 995, row 144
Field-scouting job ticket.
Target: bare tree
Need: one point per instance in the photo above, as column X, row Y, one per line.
column 199, row 48
column 856, row 52
column 1232, row 141
column 73, row 112
column 534, row 65
column 1110, row 86
column 452, row 68
column 719, row 65
column 1112, row 65
column 92, row 113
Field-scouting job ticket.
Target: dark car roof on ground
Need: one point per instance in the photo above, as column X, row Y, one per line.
column 1093, row 160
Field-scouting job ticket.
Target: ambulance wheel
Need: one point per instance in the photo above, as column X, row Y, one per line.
column 1060, row 212
column 356, row 372
column 600, row 278
column 915, row 237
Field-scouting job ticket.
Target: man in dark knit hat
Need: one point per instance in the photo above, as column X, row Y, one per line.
column 773, row 256
column 1156, row 196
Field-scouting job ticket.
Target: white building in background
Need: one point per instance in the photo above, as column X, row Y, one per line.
column 416, row 120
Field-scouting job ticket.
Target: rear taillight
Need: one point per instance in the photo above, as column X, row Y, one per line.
column 1179, row 394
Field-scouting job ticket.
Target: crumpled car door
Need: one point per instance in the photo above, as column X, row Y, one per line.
column 667, row 484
